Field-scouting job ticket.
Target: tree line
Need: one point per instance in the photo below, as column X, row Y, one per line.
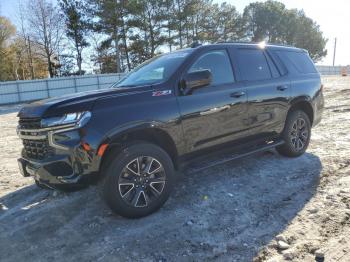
column 117, row 35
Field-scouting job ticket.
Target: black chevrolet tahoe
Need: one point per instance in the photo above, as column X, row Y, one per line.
column 191, row 108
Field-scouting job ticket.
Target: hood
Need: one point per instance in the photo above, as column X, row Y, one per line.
column 75, row 102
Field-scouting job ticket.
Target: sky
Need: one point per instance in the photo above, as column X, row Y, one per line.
column 332, row 16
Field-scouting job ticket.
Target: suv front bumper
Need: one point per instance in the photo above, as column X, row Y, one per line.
column 69, row 161
column 57, row 170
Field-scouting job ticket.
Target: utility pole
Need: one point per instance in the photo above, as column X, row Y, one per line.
column 335, row 49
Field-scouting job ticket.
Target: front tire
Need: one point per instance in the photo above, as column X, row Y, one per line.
column 296, row 134
column 138, row 181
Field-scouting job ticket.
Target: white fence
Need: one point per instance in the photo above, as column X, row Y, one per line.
column 28, row 90
column 332, row 70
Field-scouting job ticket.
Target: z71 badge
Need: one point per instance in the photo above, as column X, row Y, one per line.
column 161, row 93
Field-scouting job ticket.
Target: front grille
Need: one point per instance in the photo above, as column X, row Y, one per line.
column 29, row 123
column 35, row 143
column 37, row 149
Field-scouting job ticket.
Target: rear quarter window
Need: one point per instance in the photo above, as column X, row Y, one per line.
column 299, row 60
column 275, row 73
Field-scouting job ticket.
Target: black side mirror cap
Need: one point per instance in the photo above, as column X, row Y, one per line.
column 197, row 79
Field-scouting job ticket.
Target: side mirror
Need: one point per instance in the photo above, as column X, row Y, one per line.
column 197, row 79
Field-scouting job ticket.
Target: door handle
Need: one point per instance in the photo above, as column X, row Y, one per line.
column 282, row 88
column 237, row 94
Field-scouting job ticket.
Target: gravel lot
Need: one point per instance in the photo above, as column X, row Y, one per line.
column 264, row 207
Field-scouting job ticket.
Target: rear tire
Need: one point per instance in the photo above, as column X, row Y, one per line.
column 296, row 134
column 138, row 181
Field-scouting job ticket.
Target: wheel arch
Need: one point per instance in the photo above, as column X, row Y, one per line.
column 304, row 104
column 146, row 133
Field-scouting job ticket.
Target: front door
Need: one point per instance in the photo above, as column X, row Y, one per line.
column 217, row 113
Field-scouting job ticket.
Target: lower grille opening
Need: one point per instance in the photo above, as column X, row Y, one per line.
column 59, row 169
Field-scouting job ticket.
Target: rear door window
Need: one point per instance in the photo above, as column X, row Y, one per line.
column 299, row 60
column 253, row 64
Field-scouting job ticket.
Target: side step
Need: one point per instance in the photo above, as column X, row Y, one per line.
column 218, row 159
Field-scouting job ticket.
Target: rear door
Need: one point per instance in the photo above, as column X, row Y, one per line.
column 268, row 90
column 214, row 114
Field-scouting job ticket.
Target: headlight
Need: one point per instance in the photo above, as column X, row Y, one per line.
column 78, row 118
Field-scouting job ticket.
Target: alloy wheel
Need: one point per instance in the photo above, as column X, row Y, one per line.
column 299, row 134
column 142, row 181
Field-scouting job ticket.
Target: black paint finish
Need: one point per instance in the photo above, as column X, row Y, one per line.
column 186, row 123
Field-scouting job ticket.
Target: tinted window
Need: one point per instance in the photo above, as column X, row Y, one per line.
column 272, row 66
column 253, row 65
column 299, row 60
column 154, row 70
column 219, row 65
column 280, row 65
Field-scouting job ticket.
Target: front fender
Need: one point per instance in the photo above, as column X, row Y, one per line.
column 119, row 131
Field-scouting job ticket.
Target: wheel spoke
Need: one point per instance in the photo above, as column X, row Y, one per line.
column 304, row 135
column 127, row 178
column 136, row 197
column 139, row 199
column 301, row 123
column 154, row 167
column 143, row 193
column 125, row 189
column 148, row 165
column 157, row 187
column 156, row 179
column 134, row 167
column 155, row 170
column 300, row 144
column 294, row 131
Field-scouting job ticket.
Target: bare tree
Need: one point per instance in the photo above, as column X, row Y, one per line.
column 24, row 34
column 46, row 28
column 96, row 55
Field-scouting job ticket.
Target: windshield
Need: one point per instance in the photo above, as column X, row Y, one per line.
column 155, row 70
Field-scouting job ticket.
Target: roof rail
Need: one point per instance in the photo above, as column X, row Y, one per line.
column 235, row 42
column 253, row 43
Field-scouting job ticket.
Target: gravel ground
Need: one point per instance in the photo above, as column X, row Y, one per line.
column 261, row 208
